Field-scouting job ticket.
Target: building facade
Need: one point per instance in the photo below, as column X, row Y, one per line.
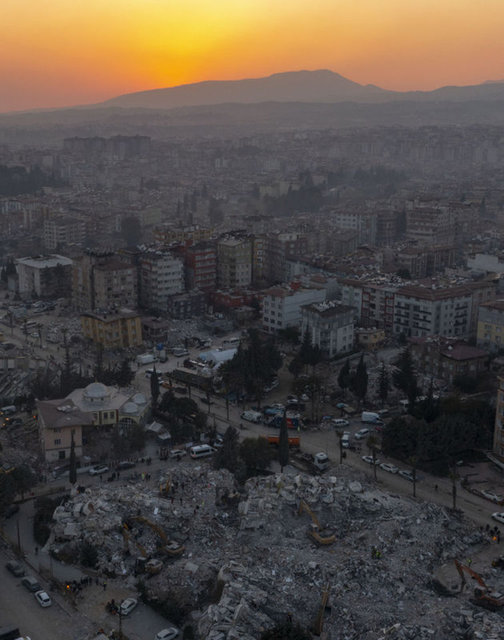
column 161, row 276
column 44, row 276
column 330, row 326
column 119, row 330
column 281, row 307
column 234, row 263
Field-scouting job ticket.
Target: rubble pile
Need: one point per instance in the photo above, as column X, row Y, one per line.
column 253, row 557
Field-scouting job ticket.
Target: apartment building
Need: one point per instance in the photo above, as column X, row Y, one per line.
column 44, row 276
column 372, row 299
column 490, row 332
column 435, row 310
column 101, row 280
column 330, row 326
column 234, row 262
column 187, row 305
column 62, row 230
column 364, row 223
column 113, row 330
column 422, row 261
column 281, row 306
column 161, row 275
column 281, row 248
column 201, row 266
column 58, row 422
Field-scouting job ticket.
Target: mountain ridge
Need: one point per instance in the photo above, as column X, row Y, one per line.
column 317, row 86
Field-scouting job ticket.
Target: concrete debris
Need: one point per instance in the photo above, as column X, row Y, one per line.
column 252, row 562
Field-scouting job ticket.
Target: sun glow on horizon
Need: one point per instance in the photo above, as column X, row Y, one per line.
column 61, row 53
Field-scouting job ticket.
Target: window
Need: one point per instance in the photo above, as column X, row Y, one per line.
column 57, row 441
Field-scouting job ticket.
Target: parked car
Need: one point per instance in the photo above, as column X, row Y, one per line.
column 406, row 474
column 389, row 467
column 292, row 400
column 43, row 599
column 369, row 460
column 345, row 440
column 498, row 516
column 362, row 433
column 98, row 470
column 31, row 583
column 125, row 464
column 340, row 422
column 128, row 605
column 177, row 453
column 489, row 495
column 167, row 634
column 15, row 568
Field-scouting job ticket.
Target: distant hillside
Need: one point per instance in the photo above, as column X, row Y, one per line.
column 321, row 86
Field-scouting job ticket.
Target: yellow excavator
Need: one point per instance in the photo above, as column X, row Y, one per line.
column 483, row 595
column 318, row 534
column 165, row 487
column 168, row 547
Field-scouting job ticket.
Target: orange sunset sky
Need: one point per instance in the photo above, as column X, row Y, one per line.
column 63, row 52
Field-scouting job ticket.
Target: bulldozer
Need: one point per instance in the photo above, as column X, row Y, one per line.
column 316, row 533
column 483, row 595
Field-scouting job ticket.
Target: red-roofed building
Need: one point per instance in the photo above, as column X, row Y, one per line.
column 447, row 358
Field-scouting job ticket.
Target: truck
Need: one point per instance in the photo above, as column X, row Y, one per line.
column 293, row 421
column 294, row 441
column 370, row 417
column 10, row 633
column 145, row 358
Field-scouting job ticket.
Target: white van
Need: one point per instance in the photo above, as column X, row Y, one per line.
column 201, row 451
column 345, row 441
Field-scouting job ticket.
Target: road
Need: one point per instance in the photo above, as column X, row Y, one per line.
column 325, row 439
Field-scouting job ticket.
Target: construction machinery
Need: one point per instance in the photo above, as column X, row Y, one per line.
column 168, row 547
column 165, row 487
column 483, row 595
column 127, row 538
column 319, row 535
column 318, row 624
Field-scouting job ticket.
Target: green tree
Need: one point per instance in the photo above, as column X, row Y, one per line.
column 227, row 455
column 125, row 375
column 256, row 454
column 383, row 384
column 88, row 554
column 344, row 376
column 405, row 372
column 359, row 381
column 283, row 443
column 24, row 479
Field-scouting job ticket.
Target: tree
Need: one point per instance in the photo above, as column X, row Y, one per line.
column 227, row 455
column 405, row 373
column 359, row 381
column 88, row 555
column 283, row 443
column 383, row 384
column 24, row 479
column 125, row 375
column 72, row 474
column 256, row 454
column 344, row 376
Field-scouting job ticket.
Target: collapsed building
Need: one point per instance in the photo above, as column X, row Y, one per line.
column 331, row 552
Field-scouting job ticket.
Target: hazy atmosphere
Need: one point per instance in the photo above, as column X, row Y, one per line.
column 63, row 53
column 251, row 320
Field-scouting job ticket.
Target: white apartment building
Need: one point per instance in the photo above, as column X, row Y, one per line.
column 363, row 222
column 44, row 276
column 161, row 276
column 424, row 311
column 330, row 326
column 281, row 307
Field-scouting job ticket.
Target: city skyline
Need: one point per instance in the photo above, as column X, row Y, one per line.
column 62, row 54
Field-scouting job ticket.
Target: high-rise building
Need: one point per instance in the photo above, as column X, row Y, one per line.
column 161, row 276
